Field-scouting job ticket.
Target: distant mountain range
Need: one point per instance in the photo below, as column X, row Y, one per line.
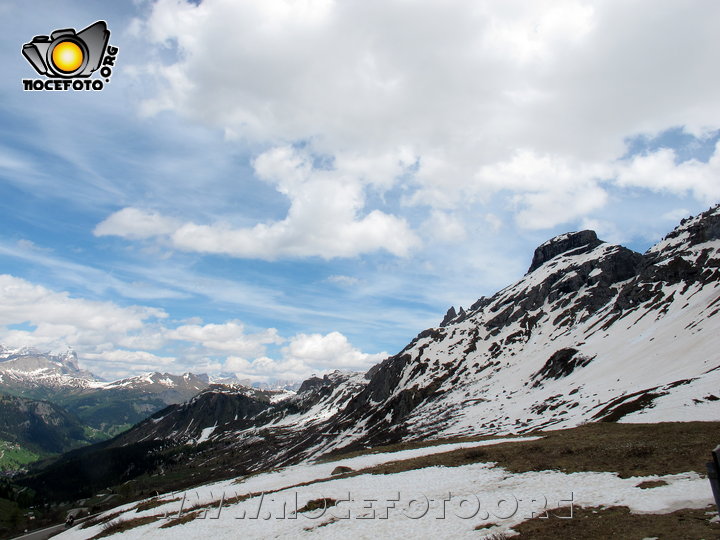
column 594, row 332
column 49, row 405
column 79, row 408
column 102, row 405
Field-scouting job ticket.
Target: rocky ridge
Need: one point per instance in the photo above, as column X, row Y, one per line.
column 593, row 332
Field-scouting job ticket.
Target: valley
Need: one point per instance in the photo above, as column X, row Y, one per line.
column 597, row 374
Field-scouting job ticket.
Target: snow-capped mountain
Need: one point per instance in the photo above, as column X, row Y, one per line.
column 172, row 387
column 593, row 332
column 31, row 368
column 108, row 407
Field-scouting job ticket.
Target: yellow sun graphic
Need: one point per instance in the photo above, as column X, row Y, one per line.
column 67, row 56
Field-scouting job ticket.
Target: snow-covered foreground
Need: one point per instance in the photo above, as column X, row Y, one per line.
column 433, row 502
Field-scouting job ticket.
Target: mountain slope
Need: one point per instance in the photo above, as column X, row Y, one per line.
column 105, row 407
column 593, row 332
column 38, row 426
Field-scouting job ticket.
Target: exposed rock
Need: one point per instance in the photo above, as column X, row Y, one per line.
column 449, row 316
column 492, row 369
column 311, row 384
column 561, row 364
column 341, row 469
column 453, row 316
column 562, row 244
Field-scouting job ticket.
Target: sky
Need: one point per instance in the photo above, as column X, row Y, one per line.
column 281, row 188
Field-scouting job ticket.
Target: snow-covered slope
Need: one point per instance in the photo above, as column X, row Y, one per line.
column 468, row 501
column 593, row 332
column 29, row 368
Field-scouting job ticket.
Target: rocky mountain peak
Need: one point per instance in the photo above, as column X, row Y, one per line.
column 453, row 316
column 562, row 244
column 692, row 231
column 30, row 360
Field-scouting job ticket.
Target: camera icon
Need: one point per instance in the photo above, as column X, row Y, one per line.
column 66, row 53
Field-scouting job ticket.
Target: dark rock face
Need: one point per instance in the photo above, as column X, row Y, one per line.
column 453, row 316
column 561, row 364
column 210, row 408
column 403, row 396
column 675, row 263
column 562, row 244
column 704, row 228
column 312, row 383
column 449, row 316
column 598, row 275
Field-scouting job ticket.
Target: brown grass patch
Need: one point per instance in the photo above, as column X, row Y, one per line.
column 649, row 484
column 121, row 525
column 317, row 504
column 185, row 518
column 99, row 520
column 485, row 526
column 337, row 455
column 618, row 522
column 323, row 524
column 153, row 503
column 627, row 449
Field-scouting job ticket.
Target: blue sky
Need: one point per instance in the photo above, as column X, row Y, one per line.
column 282, row 188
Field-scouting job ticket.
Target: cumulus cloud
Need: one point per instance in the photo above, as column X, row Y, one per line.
column 264, row 368
column 659, row 171
column 56, row 320
column 115, row 341
column 484, row 96
column 332, row 350
column 325, row 217
column 135, row 223
column 229, row 337
column 304, row 355
column 119, row 363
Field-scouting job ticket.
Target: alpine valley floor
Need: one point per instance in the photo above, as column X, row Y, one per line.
column 602, row 480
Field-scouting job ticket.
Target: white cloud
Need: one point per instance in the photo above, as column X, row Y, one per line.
column 482, row 96
column 58, row 320
column 264, row 369
column 549, row 189
column 345, row 281
column 138, row 360
column 658, row 171
column 332, row 350
column 444, row 227
column 306, row 354
column 136, row 224
column 676, row 215
column 116, row 341
column 229, row 337
column 325, row 216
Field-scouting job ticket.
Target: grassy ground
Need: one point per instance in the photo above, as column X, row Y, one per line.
column 14, row 456
column 10, row 517
column 627, row 449
column 618, row 522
